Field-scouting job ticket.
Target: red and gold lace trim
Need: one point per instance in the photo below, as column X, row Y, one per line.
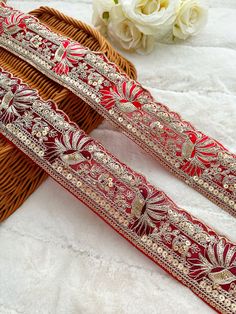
column 182, row 245
column 199, row 160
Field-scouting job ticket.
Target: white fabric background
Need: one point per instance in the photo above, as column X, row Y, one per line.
column 57, row 257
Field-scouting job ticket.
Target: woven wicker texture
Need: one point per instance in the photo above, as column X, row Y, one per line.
column 19, row 177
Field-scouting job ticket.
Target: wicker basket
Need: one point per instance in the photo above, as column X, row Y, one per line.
column 19, row 177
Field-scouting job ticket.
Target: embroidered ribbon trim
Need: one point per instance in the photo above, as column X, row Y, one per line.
column 182, row 245
column 199, row 160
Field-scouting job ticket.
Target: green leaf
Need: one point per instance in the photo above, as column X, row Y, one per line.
column 105, row 15
column 116, row 1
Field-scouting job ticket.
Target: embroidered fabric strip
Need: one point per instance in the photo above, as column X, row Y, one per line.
column 182, row 245
column 199, row 160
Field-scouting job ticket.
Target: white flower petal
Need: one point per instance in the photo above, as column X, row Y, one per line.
column 101, row 12
column 126, row 34
column 191, row 18
column 149, row 15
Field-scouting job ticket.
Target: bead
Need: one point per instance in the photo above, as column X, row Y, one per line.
column 116, row 214
column 221, row 298
column 78, row 184
column 154, row 246
column 226, row 199
column 209, row 289
column 180, row 266
column 107, row 206
column 64, row 173
column 74, row 181
column 126, row 223
column 233, row 307
column 149, row 242
column 215, row 293
column 175, row 247
column 227, row 302
column 93, row 195
column 144, row 238
column 175, row 262
column 203, row 284
column 97, row 199
column 88, row 191
column 112, row 211
column 121, row 219
column 54, row 165
column 69, row 176
column 164, row 254
column 221, row 195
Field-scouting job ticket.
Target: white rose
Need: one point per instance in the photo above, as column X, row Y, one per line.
column 101, row 13
column 191, row 18
column 124, row 31
column 152, row 17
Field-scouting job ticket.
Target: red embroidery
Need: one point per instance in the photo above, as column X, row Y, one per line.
column 194, row 157
column 66, row 56
column 14, row 23
column 188, row 249
column 125, row 96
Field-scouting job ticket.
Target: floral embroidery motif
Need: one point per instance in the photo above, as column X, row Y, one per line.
column 15, row 101
column 166, row 233
column 70, row 148
column 67, row 55
column 148, row 208
column 127, row 97
column 14, row 23
column 218, row 263
column 37, row 41
column 95, row 79
column 200, row 151
column 27, row 120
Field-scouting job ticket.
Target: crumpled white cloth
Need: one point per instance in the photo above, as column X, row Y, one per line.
column 57, row 257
